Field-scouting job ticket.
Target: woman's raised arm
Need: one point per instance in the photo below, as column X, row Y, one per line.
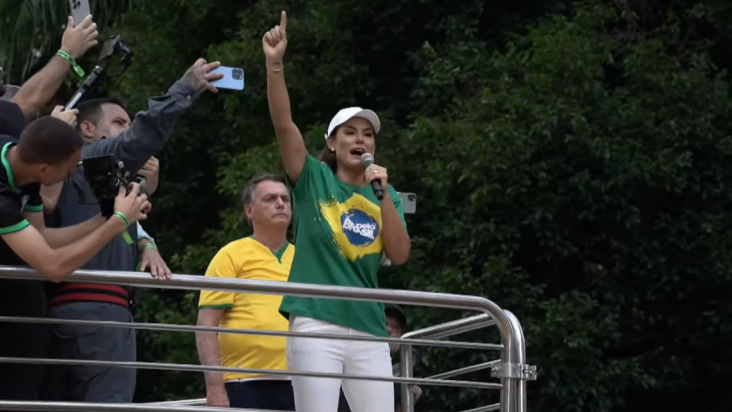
column 289, row 138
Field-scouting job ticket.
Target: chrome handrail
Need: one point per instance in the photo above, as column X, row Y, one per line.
column 108, row 407
column 406, row 364
column 182, row 367
column 440, row 331
column 512, row 399
column 253, row 332
column 467, row 369
column 182, row 402
column 512, row 357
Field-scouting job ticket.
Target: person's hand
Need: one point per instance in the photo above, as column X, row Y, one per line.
column 199, row 76
column 416, row 392
column 375, row 172
column 151, row 168
column 274, row 41
column 217, row 397
column 150, row 171
column 152, row 260
column 78, row 39
column 132, row 205
column 68, row 116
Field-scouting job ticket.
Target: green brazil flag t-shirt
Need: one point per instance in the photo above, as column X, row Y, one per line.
column 338, row 242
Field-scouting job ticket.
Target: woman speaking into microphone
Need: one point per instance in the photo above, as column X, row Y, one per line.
column 341, row 231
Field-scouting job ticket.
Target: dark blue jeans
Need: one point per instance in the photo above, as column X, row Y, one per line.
column 275, row 395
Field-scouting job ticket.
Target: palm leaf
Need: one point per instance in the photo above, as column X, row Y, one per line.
column 31, row 30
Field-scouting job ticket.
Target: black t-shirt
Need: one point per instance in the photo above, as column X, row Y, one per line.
column 14, row 201
column 12, row 119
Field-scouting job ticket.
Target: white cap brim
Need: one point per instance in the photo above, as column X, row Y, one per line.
column 349, row 113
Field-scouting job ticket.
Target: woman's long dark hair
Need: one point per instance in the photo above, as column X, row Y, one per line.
column 329, row 157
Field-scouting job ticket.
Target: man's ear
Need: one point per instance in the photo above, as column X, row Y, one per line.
column 87, row 129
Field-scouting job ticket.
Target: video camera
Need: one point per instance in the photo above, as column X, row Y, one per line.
column 105, row 175
column 115, row 46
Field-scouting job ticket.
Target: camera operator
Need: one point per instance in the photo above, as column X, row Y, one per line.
column 47, row 151
column 133, row 143
column 108, row 117
column 28, row 100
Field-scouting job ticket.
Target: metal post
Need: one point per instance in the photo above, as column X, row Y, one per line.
column 520, row 351
column 406, row 370
column 508, row 385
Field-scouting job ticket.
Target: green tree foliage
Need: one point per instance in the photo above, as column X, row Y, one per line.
column 571, row 164
column 580, row 179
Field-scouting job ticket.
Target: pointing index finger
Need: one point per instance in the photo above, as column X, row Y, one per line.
column 283, row 20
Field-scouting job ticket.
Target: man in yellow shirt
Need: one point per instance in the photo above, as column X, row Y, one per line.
column 266, row 255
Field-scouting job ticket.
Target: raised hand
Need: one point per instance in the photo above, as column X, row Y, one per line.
column 199, row 76
column 78, row 39
column 274, row 41
column 68, row 116
column 151, row 172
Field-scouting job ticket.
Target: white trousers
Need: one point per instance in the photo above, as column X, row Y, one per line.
column 338, row 356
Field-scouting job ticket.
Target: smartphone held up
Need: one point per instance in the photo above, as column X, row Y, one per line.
column 233, row 78
column 79, row 10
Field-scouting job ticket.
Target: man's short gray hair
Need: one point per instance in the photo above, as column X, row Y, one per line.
column 247, row 197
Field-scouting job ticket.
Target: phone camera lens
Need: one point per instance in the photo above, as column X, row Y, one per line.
column 237, row 74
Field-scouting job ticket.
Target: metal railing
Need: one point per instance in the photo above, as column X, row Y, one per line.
column 511, row 368
column 433, row 332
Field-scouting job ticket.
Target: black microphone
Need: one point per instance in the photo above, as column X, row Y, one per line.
column 368, row 160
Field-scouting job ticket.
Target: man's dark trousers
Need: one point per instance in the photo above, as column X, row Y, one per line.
column 22, row 298
column 94, row 384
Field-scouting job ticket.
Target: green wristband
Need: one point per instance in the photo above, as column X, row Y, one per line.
column 149, row 246
column 122, row 217
column 79, row 71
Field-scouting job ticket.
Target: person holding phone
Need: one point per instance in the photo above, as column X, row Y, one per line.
column 133, row 142
column 341, row 231
column 18, row 105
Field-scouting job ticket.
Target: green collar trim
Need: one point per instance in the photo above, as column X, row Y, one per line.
column 6, row 165
column 278, row 254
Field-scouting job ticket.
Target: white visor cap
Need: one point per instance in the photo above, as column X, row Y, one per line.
column 347, row 114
